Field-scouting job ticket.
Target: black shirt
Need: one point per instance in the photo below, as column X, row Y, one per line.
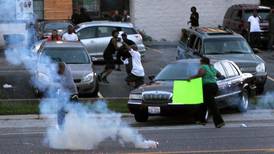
column 194, row 19
column 129, row 42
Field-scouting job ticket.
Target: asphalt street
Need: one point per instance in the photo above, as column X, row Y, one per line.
column 249, row 133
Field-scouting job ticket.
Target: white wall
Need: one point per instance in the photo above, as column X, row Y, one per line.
column 164, row 19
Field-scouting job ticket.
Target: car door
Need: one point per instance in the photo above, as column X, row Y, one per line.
column 104, row 35
column 87, row 36
column 222, row 84
column 232, row 80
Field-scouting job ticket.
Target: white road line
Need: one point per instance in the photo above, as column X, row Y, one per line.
column 270, row 78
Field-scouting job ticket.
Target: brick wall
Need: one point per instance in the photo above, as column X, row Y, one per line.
column 164, row 19
column 57, row 9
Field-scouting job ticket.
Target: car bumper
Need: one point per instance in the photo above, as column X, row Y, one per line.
column 166, row 109
column 87, row 88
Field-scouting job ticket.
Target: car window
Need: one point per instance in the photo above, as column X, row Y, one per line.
column 231, row 71
column 129, row 31
column 228, row 13
column 191, row 41
column 73, row 55
column 184, row 36
column 87, row 33
column 105, row 31
column 237, row 15
column 236, row 70
column 198, row 44
column 218, row 66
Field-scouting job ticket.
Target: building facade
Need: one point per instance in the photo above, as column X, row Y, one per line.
column 160, row 19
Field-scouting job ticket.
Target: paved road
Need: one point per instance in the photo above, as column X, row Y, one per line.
column 256, row 135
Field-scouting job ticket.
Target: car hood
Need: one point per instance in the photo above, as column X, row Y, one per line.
column 166, row 86
column 80, row 70
column 246, row 62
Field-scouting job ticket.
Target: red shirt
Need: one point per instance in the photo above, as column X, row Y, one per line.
column 58, row 38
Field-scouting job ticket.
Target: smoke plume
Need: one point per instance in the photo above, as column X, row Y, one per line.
column 85, row 126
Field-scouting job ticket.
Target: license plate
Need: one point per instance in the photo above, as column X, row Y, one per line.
column 154, row 110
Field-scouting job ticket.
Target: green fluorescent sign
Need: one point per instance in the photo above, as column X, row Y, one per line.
column 188, row 92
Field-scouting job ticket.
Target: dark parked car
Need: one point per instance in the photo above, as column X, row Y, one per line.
column 156, row 97
column 221, row 44
column 237, row 15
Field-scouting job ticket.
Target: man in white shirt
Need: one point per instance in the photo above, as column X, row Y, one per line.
column 137, row 73
column 255, row 29
column 70, row 35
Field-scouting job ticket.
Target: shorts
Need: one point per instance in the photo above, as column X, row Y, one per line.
column 110, row 64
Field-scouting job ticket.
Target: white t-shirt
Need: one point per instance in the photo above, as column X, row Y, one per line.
column 254, row 24
column 137, row 67
column 70, row 37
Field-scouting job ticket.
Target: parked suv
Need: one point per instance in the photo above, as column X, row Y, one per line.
column 218, row 44
column 96, row 35
column 236, row 19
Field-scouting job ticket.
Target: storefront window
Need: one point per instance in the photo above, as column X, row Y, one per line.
column 38, row 8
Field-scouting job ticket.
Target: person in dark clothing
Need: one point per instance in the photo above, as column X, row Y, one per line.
column 75, row 17
column 194, row 17
column 108, row 57
column 210, row 88
column 271, row 31
column 83, row 16
column 126, row 17
column 116, row 16
column 120, row 53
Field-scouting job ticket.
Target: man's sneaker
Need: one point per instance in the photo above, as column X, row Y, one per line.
column 220, row 125
column 104, row 79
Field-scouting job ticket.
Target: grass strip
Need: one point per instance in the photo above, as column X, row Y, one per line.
column 32, row 107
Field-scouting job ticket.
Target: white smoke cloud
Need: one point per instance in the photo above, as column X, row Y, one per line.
column 85, row 127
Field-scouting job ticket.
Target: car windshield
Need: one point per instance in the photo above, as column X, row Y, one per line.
column 56, row 25
column 177, row 71
column 67, row 55
column 226, row 46
column 263, row 14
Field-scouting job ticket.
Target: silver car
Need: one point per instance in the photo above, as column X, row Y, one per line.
column 96, row 35
column 75, row 56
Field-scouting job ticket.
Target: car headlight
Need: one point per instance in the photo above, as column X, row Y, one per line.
column 88, row 78
column 135, row 96
column 260, row 67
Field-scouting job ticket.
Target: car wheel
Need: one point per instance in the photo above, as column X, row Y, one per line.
column 141, row 116
column 243, row 102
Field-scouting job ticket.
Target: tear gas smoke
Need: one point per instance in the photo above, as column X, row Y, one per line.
column 84, row 127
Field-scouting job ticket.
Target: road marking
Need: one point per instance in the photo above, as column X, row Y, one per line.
column 270, row 78
column 211, row 151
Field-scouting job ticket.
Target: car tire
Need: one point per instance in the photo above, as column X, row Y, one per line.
column 243, row 101
column 141, row 116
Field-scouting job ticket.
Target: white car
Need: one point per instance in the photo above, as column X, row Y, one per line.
column 96, row 35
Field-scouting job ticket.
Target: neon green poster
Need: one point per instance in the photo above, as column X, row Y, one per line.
column 188, row 93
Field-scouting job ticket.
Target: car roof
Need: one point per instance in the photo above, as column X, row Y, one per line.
column 63, row 44
column 212, row 32
column 250, row 6
column 195, row 60
column 106, row 23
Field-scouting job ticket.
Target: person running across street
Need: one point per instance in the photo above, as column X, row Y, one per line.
column 108, row 57
column 254, row 29
column 70, row 35
column 210, row 88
